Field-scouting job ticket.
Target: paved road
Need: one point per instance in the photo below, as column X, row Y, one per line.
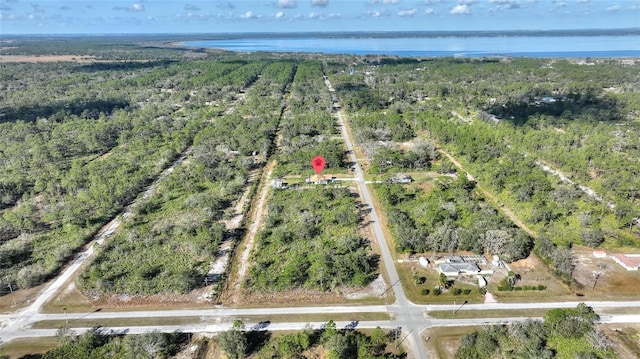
column 403, row 310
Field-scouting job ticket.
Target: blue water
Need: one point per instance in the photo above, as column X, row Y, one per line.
column 474, row 46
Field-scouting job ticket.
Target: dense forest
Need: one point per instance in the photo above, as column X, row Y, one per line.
column 563, row 333
column 328, row 342
column 452, row 216
column 97, row 344
column 237, row 342
column 508, row 118
column 176, row 234
column 556, row 141
column 310, row 240
column 80, row 141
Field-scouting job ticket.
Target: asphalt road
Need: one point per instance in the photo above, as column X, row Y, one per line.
column 403, row 310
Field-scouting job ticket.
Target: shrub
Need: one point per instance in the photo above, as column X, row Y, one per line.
column 437, row 291
column 425, row 291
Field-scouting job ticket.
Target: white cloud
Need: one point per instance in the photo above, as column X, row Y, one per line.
column 407, row 12
column 287, row 4
column 191, row 7
column 612, row 8
column 467, row 2
column 374, row 13
column 390, row 2
column 319, row 3
column 247, row 15
column 460, row 10
column 583, row 1
column 279, row 15
column 137, row 7
column 334, row 15
column 429, row 2
column 314, row 15
column 429, row 11
column 506, row 4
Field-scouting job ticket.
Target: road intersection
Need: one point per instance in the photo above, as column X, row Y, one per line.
column 413, row 319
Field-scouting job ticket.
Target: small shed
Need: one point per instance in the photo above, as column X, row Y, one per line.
column 424, row 262
column 600, row 254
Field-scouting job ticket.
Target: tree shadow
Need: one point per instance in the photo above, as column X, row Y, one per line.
column 557, row 108
column 122, row 65
column 256, row 339
column 58, row 111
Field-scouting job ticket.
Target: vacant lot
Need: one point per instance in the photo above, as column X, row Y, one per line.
column 613, row 282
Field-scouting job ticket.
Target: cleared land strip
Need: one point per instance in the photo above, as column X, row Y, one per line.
column 104, row 232
column 249, row 241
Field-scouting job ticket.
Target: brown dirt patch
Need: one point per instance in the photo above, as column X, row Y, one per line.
column 614, row 282
column 19, row 299
column 625, row 338
column 426, row 186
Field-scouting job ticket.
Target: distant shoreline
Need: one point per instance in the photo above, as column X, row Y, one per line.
column 335, row 35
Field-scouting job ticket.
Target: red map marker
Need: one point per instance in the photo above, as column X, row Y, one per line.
column 318, row 163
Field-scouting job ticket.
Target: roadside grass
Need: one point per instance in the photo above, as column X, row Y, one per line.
column 509, row 313
column 489, row 313
column 28, row 348
column 442, row 342
column 151, row 321
column 73, row 301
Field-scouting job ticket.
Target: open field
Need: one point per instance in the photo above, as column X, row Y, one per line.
column 613, row 282
column 49, row 58
column 23, row 348
column 442, row 343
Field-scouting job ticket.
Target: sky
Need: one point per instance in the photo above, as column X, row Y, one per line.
column 212, row 16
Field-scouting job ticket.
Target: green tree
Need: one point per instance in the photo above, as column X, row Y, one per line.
column 234, row 341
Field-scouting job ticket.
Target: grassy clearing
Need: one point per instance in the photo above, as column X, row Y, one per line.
column 443, row 342
column 23, row 348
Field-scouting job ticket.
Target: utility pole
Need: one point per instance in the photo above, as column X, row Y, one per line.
column 66, row 319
